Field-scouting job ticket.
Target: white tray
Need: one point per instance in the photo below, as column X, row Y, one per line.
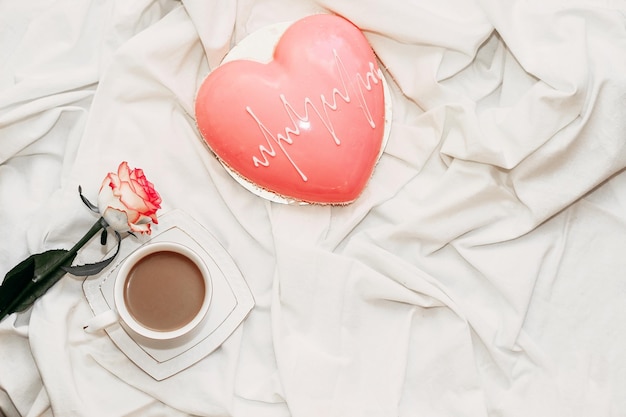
column 231, row 302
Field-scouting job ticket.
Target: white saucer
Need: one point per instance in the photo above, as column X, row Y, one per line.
column 259, row 46
column 231, row 302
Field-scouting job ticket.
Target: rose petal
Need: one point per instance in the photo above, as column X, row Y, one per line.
column 116, row 219
column 141, row 228
column 153, row 217
column 133, row 216
column 105, row 196
column 123, row 171
column 138, row 189
column 110, row 181
column 137, row 174
column 155, row 197
column 151, row 208
column 131, row 199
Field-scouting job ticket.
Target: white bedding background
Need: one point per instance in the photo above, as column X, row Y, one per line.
column 481, row 273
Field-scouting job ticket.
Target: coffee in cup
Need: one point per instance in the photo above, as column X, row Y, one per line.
column 162, row 291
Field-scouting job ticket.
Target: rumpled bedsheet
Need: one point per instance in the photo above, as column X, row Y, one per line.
column 481, row 273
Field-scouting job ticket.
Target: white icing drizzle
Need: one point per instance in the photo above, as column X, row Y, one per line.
column 267, row 149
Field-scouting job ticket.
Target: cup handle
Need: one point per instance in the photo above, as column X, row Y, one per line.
column 101, row 321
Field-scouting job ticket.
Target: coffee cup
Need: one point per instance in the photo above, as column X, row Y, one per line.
column 161, row 292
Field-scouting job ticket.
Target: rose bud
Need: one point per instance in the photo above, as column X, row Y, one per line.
column 128, row 201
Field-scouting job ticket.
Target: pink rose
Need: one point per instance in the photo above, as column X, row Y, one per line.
column 128, row 201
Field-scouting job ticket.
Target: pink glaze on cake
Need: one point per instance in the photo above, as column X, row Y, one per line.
column 309, row 124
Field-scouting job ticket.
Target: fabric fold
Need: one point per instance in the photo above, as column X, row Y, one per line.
column 479, row 273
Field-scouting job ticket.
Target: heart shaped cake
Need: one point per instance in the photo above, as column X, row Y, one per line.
column 308, row 125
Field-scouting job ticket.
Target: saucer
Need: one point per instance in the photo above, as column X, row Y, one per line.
column 231, row 302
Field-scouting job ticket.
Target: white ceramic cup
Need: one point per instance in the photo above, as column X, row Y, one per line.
column 121, row 313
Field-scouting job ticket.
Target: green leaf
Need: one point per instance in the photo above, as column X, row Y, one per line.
column 31, row 278
column 15, row 281
column 94, row 268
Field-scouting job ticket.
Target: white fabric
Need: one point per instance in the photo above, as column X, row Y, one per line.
column 481, row 273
